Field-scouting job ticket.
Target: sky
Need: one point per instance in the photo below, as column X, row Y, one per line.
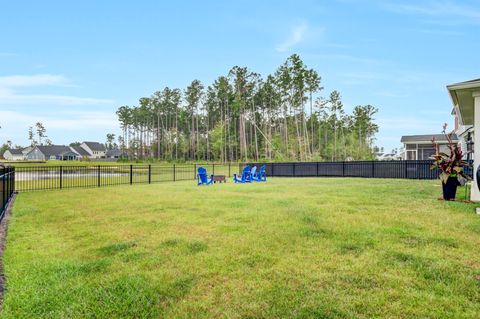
column 71, row 64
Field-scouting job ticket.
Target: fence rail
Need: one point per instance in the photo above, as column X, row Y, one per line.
column 370, row 169
column 32, row 178
column 7, row 187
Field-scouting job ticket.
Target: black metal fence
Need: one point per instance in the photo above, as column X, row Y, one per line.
column 7, row 187
column 31, row 178
column 371, row 169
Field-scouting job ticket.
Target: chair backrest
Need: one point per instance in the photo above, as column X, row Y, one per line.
column 245, row 172
column 253, row 172
column 263, row 171
column 202, row 174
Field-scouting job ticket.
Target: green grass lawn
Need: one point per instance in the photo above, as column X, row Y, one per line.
column 302, row 248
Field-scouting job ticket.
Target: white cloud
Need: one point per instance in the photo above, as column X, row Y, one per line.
column 9, row 97
column 297, row 35
column 10, row 84
column 7, row 54
column 67, row 121
column 32, row 80
column 446, row 10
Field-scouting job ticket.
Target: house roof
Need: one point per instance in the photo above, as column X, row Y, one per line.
column 427, row 138
column 79, row 150
column 464, row 84
column 462, row 97
column 95, row 146
column 54, row 150
column 27, row 149
column 16, row 151
column 115, row 153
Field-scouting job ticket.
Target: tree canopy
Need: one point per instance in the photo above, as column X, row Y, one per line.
column 242, row 116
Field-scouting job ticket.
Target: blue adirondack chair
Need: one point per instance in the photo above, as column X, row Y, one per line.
column 245, row 176
column 261, row 175
column 253, row 173
column 202, row 177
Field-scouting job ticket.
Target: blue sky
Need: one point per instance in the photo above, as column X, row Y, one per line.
column 71, row 64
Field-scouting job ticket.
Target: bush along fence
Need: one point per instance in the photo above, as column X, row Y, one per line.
column 31, row 178
column 370, row 169
column 7, row 187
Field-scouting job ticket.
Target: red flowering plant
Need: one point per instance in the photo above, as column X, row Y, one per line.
column 452, row 164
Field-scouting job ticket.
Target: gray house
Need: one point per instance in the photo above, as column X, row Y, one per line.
column 52, row 152
column 80, row 151
column 116, row 153
column 420, row 147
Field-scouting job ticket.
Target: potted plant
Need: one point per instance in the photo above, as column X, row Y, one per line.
column 451, row 166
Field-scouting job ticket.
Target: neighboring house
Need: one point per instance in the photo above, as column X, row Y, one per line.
column 80, row 151
column 464, row 132
column 14, row 154
column 388, row 157
column 26, row 150
column 116, row 153
column 94, row 149
column 52, row 152
column 420, row 147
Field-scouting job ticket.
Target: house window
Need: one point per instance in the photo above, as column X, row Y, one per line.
column 411, row 146
column 427, row 153
column 411, row 155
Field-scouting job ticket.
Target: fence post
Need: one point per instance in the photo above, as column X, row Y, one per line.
column 131, row 174
column 174, row 172
column 271, row 173
column 213, row 169
column 98, row 177
column 317, row 168
column 294, row 170
column 373, row 169
column 4, row 191
column 406, row 169
column 149, row 173
column 343, row 169
column 61, row 179
column 194, row 171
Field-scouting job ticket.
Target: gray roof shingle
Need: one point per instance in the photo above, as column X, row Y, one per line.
column 80, row 151
column 115, row 153
column 427, row 137
column 95, row 146
column 54, row 150
column 16, row 151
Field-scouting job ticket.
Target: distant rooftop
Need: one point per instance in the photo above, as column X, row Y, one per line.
column 427, row 138
column 95, row 146
column 16, row 151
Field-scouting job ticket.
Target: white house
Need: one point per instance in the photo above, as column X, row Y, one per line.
column 420, row 147
column 388, row 157
column 94, row 149
column 13, row 155
column 466, row 102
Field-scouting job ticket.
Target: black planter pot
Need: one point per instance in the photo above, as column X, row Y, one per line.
column 450, row 188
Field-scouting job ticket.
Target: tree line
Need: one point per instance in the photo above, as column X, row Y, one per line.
column 242, row 116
